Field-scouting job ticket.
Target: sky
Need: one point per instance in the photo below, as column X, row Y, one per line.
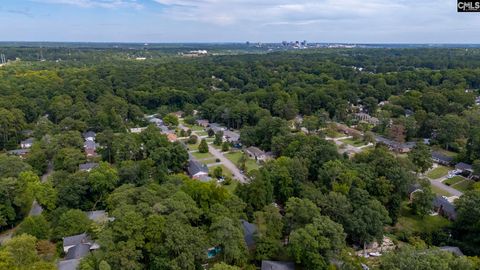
column 346, row 21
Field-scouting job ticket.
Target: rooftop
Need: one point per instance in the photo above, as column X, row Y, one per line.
column 195, row 167
column 249, row 231
column 75, row 240
column 87, row 166
column 276, row 265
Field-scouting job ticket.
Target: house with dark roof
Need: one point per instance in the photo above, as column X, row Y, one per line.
column 87, row 167
column 197, row 170
column 249, row 231
column 414, row 189
column 442, row 159
column 71, row 241
column 277, row 265
column 464, row 168
column 76, row 247
column 366, row 118
column 27, row 143
column 444, row 207
column 396, row 146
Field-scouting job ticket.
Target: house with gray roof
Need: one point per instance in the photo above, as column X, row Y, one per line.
column 249, row 231
column 89, row 136
column 27, row 143
column 19, row 152
column 441, row 158
column 78, row 251
column 464, row 168
column 257, row 154
column 87, row 167
column 444, row 207
column 277, row 265
column 71, row 241
column 99, row 216
column 197, row 170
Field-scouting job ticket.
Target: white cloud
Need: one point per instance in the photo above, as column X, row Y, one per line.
column 96, row 3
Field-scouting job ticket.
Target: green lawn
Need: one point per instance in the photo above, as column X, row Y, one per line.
column 464, row 186
column 353, row 142
column 201, row 133
column 232, row 186
column 438, row 172
column 209, row 161
column 193, row 146
column 410, row 222
column 440, row 191
column 333, row 133
column 235, row 157
column 454, row 180
column 226, row 172
column 199, row 155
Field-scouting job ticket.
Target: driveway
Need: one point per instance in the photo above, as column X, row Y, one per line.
column 439, row 184
column 228, row 164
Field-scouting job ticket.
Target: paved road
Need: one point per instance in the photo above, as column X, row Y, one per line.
column 228, row 164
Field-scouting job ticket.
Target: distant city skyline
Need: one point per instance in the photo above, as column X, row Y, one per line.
column 170, row 21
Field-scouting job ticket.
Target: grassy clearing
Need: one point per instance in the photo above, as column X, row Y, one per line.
column 440, row 191
column 209, row 161
column 454, row 180
column 201, row 133
column 235, row 156
column 464, row 185
column 232, row 186
column 192, row 147
column 410, row 222
column 438, row 172
column 226, row 172
column 199, row 155
column 353, row 142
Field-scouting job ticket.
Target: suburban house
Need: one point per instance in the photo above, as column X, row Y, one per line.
column 178, row 114
column 87, row 167
column 89, row 136
column 464, row 168
column 202, row 122
column 444, row 207
column 76, row 247
column 19, row 152
column 90, row 152
column 348, row 131
column 257, row 154
column 88, row 144
column 249, row 231
column 442, row 159
column 156, row 121
column 414, row 189
column 276, row 265
column 396, row 146
column 231, row 136
column 196, row 170
column 366, row 118
column 27, row 143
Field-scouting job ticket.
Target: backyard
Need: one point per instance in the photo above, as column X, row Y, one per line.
column 413, row 223
column 354, row 142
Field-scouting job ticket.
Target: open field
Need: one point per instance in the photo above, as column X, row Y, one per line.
column 235, row 157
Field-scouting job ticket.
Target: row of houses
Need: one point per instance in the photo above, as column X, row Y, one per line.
column 24, row 149
column 462, row 168
column 396, row 146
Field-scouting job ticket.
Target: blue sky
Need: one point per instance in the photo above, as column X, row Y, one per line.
column 356, row 21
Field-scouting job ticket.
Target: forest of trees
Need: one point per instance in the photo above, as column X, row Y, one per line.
column 311, row 205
